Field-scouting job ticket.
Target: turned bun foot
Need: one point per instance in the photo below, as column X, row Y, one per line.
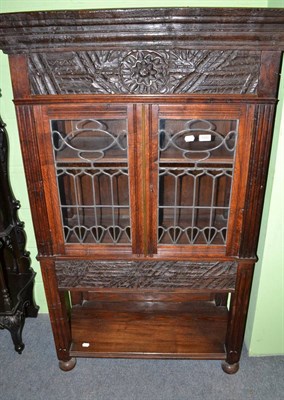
column 67, row 365
column 230, row 368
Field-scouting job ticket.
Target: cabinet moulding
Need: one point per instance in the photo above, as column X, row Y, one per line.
column 196, row 28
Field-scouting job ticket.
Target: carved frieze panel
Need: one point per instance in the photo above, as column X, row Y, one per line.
column 146, row 274
column 145, row 72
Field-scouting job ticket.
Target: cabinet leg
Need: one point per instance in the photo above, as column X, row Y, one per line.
column 58, row 305
column 67, row 365
column 237, row 317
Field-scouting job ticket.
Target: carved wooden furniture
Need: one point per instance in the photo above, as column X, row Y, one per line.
column 16, row 275
column 146, row 137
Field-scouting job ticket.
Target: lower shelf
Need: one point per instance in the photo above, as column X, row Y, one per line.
column 194, row 330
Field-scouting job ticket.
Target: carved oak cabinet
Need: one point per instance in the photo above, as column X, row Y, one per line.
column 146, row 136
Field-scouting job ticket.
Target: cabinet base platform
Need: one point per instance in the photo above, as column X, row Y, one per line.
column 193, row 330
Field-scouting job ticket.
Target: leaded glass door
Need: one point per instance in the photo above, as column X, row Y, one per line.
column 92, row 174
column 89, row 153
column 195, row 164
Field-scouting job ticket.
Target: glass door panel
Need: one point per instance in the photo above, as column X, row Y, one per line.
column 91, row 162
column 196, row 163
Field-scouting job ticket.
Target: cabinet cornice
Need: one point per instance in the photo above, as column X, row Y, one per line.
column 195, row 28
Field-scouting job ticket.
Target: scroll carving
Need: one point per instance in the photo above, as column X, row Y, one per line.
column 145, row 72
column 146, row 274
column 12, row 230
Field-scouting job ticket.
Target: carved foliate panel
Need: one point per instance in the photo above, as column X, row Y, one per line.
column 145, row 72
column 146, row 274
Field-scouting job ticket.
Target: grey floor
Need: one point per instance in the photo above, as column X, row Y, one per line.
column 35, row 375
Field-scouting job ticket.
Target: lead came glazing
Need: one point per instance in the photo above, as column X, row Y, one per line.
column 92, row 175
column 196, row 159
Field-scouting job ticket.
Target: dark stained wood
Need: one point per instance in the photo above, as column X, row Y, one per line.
column 162, row 70
column 19, row 67
column 76, row 297
column 57, row 311
column 259, row 159
column 142, row 99
column 149, row 201
column 28, row 137
column 238, row 314
column 118, row 72
column 250, row 29
column 149, row 330
column 108, row 295
column 135, row 204
column 270, row 70
column 140, row 195
column 141, row 275
column 242, row 161
column 221, row 299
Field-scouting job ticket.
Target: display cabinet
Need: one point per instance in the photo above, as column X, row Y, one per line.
column 146, row 137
